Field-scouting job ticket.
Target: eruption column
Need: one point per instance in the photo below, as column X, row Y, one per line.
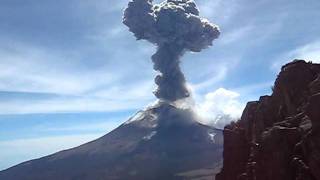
column 175, row 27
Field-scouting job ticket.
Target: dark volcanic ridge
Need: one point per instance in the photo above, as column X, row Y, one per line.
column 278, row 137
column 161, row 142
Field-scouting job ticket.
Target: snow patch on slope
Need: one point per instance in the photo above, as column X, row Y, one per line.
column 148, row 137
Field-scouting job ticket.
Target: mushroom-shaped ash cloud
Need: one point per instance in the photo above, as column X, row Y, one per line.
column 174, row 26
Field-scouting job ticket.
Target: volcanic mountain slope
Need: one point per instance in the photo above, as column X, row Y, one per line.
column 278, row 137
column 161, row 142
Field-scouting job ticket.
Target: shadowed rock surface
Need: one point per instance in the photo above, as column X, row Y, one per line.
column 278, row 137
column 161, row 142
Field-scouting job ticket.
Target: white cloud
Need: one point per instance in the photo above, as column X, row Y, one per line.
column 72, row 104
column 34, row 69
column 222, row 106
column 106, row 126
column 236, row 34
column 102, row 7
column 117, row 32
column 27, row 149
column 114, row 98
column 217, row 9
column 308, row 52
column 221, row 102
column 251, row 92
column 214, row 78
column 138, row 91
column 30, row 69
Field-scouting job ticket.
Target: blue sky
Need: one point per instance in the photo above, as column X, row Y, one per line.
column 71, row 72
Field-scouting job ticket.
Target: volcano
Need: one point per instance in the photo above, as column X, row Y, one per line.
column 164, row 141
column 160, row 142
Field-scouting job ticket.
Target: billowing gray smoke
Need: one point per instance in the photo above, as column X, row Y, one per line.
column 174, row 26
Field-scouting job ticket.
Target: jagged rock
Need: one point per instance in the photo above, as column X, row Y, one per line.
column 315, row 85
column 313, row 111
column 280, row 137
column 236, row 151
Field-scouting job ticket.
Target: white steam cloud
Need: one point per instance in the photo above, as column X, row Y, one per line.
column 220, row 107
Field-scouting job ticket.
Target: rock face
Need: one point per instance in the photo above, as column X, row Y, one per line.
column 278, row 137
column 161, row 142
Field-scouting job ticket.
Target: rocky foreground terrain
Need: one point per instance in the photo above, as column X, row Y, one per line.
column 278, row 137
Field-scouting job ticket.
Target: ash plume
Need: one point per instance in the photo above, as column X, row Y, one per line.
column 174, row 26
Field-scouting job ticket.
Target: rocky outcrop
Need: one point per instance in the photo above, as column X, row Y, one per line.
column 278, row 137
